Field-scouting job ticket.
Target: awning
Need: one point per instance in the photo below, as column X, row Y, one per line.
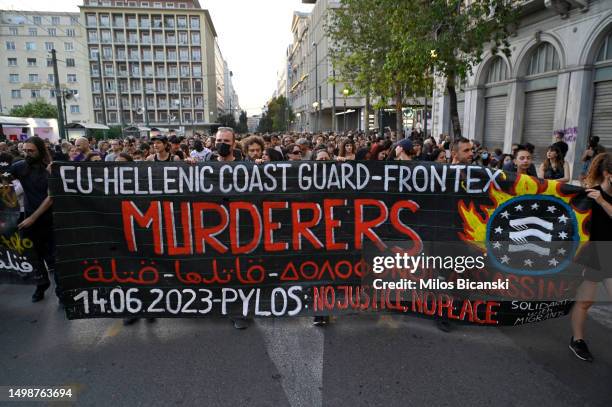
column 13, row 121
column 92, row 126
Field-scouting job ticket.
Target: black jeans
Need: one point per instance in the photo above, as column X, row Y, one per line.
column 41, row 235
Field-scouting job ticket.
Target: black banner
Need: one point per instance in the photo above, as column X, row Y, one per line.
column 18, row 262
column 315, row 238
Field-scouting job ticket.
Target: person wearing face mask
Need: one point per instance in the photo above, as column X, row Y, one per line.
column 225, row 141
column 38, row 223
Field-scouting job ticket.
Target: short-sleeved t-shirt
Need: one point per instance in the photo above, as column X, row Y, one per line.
column 34, row 181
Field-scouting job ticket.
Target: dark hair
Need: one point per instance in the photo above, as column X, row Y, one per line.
column 42, row 149
column 92, row 154
column 530, row 147
column 519, row 148
column 198, row 146
column 559, row 159
column 456, row 142
column 6, row 158
column 126, row 156
column 274, row 154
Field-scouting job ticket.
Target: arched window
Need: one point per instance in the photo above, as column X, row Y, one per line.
column 543, row 59
column 605, row 51
column 498, row 71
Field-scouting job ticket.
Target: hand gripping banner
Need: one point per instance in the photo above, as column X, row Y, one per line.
column 465, row 243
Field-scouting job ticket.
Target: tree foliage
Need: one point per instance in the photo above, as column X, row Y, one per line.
column 38, row 109
column 242, row 127
column 227, row 120
column 278, row 116
column 390, row 49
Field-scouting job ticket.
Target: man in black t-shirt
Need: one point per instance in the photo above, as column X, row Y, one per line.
column 38, row 223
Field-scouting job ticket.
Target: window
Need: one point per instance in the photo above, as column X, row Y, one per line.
column 13, row 31
column 605, row 50
column 74, row 20
column 182, row 5
column 31, row 61
column 91, row 20
column 144, row 4
column 104, row 20
column 72, row 78
column 37, row 20
column 49, row 62
column 543, row 59
column 33, row 77
column 75, row 109
column 14, row 78
column 34, row 93
column 157, row 5
column 181, row 22
column 119, row 4
column 12, row 62
column 68, row 46
column 70, row 32
column 16, row 94
column 52, row 32
column 169, row 5
column 50, row 78
column 10, row 45
column 49, row 46
column 55, row 20
column 30, row 46
column 194, row 22
column 32, row 32
column 70, row 62
column 132, row 3
column 195, row 38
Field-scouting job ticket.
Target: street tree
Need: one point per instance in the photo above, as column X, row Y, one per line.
column 242, row 127
column 38, row 109
column 452, row 38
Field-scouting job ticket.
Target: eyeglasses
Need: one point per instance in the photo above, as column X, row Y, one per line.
column 296, row 152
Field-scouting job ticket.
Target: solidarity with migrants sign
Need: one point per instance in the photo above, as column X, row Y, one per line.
column 467, row 243
column 18, row 262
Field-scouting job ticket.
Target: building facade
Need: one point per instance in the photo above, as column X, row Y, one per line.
column 27, row 38
column 151, row 63
column 310, row 76
column 558, row 77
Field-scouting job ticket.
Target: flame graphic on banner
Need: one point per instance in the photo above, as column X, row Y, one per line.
column 475, row 221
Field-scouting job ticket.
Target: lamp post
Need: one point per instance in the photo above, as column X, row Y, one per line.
column 345, row 92
column 315, row 106
column 314, row 44
column 298, row 115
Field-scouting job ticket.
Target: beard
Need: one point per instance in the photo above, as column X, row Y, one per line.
column 33, row 160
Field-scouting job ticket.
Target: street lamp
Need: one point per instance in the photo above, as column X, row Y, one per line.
column 345, row 92
column 317, row 93
column 315, row 106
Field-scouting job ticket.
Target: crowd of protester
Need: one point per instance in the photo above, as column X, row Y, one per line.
column 27, row 162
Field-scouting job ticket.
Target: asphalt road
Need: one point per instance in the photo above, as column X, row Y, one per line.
column 356, row 361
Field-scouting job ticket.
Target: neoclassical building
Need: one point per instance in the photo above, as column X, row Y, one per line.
column 558, row 77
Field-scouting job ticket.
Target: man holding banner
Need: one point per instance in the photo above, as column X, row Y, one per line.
column 38, row 223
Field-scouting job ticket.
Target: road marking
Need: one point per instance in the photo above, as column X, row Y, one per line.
column 296, row 349
column 602, row 313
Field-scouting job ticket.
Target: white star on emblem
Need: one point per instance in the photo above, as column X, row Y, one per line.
column 561, row 251
column 498, row 229
column 505, row 259
column 497, row 245
column 553, row 262
column 563, row 235
column 535, row 206
column 563, row 219
column 528, row 262
column 505, row 215
column 518, row 208
column 551, row 209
